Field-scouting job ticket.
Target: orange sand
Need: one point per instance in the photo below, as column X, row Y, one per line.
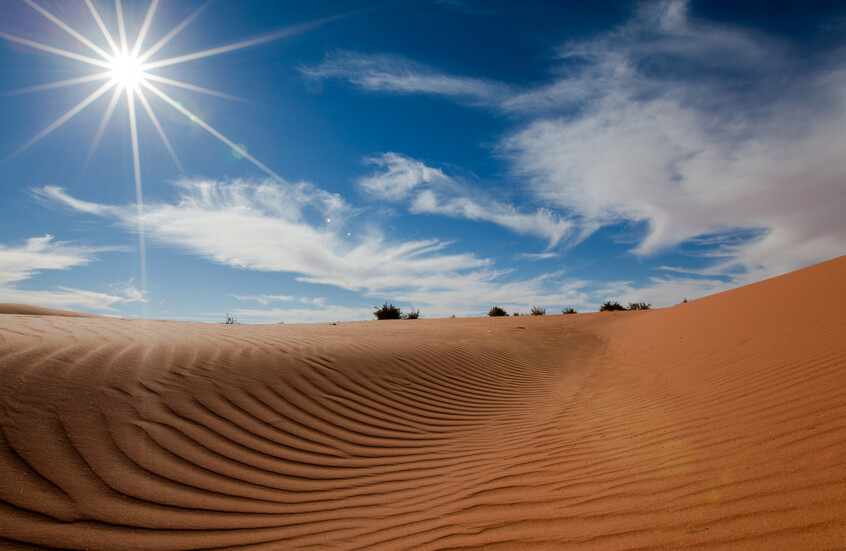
column 720, row 423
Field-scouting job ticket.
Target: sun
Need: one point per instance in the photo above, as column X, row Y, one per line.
column 127, row 74
column 126, row 70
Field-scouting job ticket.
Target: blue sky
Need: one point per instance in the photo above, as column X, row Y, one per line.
column 307, row 161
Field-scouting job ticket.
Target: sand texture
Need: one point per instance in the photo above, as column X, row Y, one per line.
column 715, row 424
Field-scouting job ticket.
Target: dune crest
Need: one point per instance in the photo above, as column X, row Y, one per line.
column 28, row 310
column 714, row 424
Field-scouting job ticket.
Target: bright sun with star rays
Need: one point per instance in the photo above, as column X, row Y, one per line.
column 129, row 73
column 126, row 70
column 128, row 79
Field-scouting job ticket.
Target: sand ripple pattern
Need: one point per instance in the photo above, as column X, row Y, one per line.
column 707, row 425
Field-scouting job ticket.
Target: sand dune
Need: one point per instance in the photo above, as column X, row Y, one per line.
column 28, row 310
column 719, row 423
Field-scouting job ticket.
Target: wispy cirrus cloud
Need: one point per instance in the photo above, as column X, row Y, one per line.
column 397, row 74
column 427, row 190
column 257, row 226
column 323, row 313
column 279, row 227
column 265, row 299
column 20, row 263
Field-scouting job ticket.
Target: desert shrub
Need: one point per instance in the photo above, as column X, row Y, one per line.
column 413, row 315
column 497, row 311
column 230, row 320
column 611, row 306
column 516, row 314
column 568, row 311
column 537, row 311
column 387, row 312
column 639, row 306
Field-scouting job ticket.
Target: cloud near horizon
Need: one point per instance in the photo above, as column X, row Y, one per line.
column 265, row 226
column 18, row 264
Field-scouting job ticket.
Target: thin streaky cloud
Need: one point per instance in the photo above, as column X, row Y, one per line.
column 427, row 190
column 539, row 256
column 266, row 299
column 392, row 73
column 37, row 254
column 300, row 315
column 262, row 226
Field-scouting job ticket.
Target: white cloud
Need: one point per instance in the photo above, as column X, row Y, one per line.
column 39, row 253
column 258, row 226
column 252, row 225
column 661, row 292
column 399, row 176
column 389, row 73
column 690, row 127
column 18, row 264
column 430, row 191
column 266, row 226
column 264, row 300
column 695, row 129
column 476, row 293
column 538, row 256
column 324, row 313
column 63, row 298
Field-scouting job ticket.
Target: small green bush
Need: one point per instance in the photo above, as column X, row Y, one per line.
column 387, row 312
column 536, row 311
column 230, row 320
column 611, row 307
column 639, row 306
column 497, row 311
column 568, row 311
column 516, row 314
column 413, row 315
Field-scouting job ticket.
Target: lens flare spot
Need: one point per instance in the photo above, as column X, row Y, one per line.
column 240, row 151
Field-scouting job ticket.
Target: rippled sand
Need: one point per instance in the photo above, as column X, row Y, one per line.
column 720, row 423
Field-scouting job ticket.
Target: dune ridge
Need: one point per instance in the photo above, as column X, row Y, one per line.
column 719, row 423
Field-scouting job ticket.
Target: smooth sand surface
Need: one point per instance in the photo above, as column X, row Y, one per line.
column 715, row 424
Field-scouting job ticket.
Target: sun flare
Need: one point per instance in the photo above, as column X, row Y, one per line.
column 128, row 75
column 126, row 70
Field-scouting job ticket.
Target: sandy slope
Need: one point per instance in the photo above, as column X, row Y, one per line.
column 716, row 423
